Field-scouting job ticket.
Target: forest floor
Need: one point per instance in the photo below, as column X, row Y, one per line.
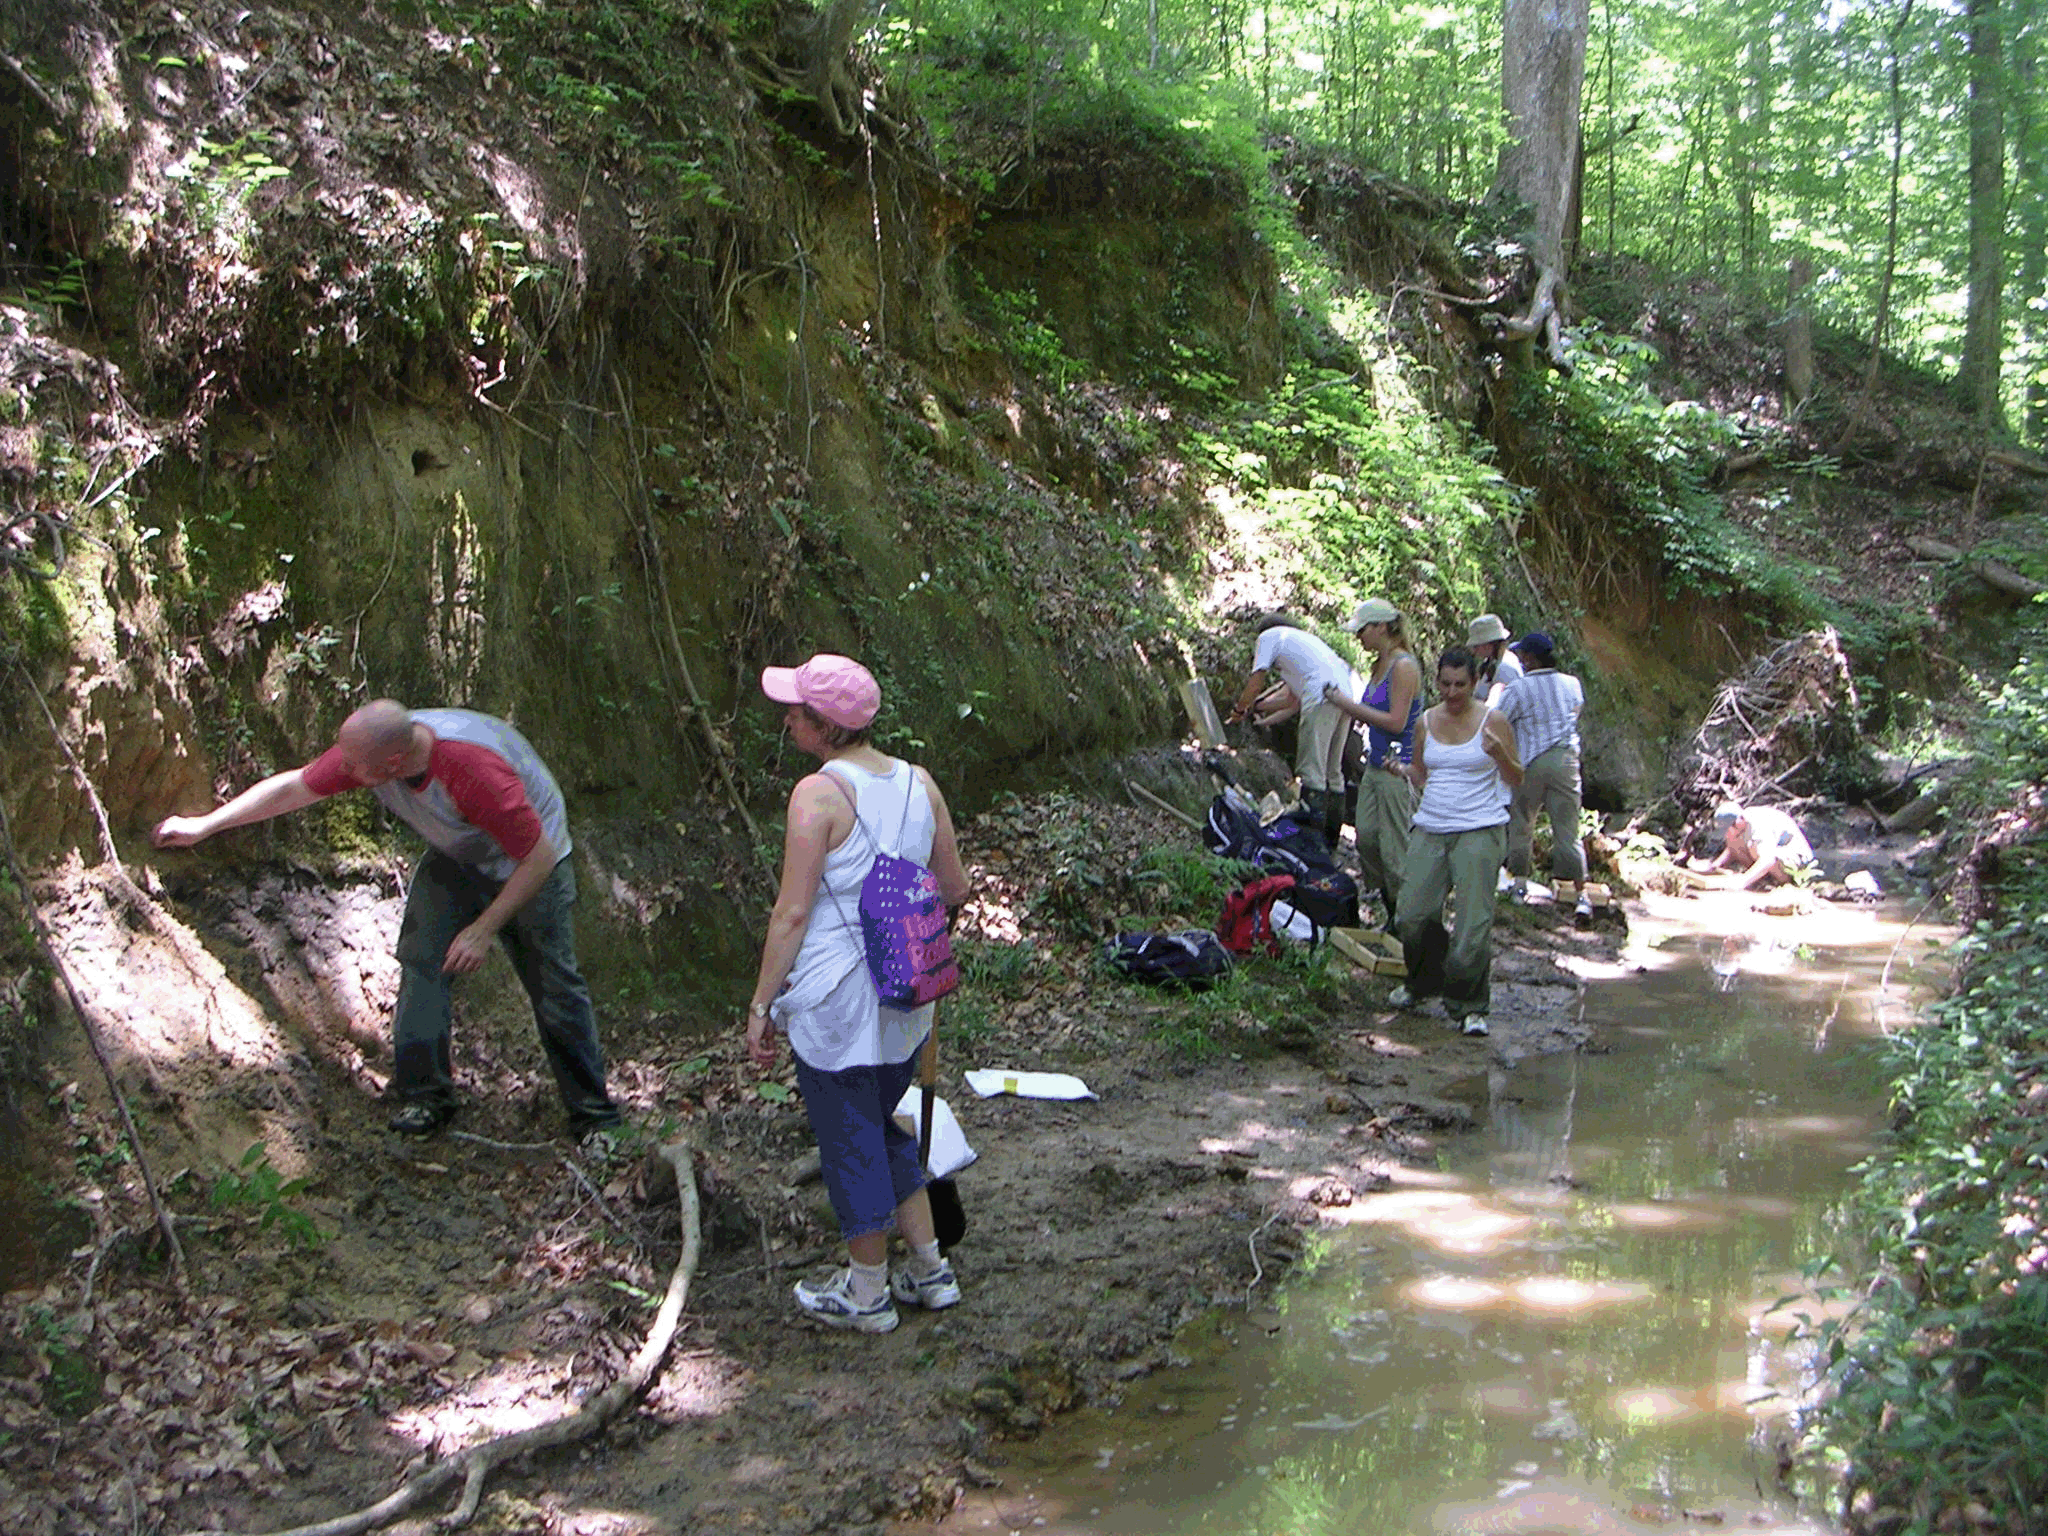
column 447, row 1290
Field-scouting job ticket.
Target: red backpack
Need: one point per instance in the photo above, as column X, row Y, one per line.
column 1247, row 920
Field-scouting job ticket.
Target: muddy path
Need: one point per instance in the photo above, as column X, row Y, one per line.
column 490, row 1278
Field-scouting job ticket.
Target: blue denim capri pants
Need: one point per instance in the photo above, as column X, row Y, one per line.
column 868, row 1161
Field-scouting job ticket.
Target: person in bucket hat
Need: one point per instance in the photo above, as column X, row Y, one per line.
column 855, row 1057
column 1487, row 638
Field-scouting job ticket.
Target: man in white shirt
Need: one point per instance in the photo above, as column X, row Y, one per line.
column 1763, row 840
column 1543, row 706
column 1305, row 664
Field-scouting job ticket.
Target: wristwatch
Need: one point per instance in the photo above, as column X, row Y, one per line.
column 758, row 1010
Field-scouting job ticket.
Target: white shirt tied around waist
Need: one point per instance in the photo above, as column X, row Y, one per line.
column 828, row 1007
column 1544, row 709
column 1464, row 790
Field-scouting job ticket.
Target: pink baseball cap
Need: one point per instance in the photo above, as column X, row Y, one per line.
column 839, row 688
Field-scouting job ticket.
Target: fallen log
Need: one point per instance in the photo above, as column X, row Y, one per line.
column 1918, row 814
column 2026, row 463
column 1991, row 572
column 474, row 1465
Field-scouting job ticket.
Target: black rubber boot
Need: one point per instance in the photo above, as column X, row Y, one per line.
column 1333, row 815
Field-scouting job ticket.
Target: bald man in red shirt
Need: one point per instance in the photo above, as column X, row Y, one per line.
column 497, row 867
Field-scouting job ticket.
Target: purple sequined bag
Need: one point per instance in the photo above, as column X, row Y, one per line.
column 903, row 921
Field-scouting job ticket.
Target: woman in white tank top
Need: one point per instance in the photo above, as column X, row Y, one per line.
column 854, row 1058
column 1465, row 766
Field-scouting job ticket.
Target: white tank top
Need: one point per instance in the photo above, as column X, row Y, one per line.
column 828, row 1007
column 1464, row 791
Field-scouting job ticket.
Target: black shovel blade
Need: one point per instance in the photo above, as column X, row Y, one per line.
column 949, row 1217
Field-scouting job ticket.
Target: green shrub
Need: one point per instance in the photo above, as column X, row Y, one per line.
column 1938, row 1376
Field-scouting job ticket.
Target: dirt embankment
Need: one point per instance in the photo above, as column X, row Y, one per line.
column 486, row 1280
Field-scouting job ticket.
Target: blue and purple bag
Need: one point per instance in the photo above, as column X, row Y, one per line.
column 902, row 920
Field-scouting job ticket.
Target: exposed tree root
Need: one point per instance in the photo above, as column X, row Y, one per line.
column 1544, row 317
column 475, row 1465
column 173, row 1249
column 1772, row 734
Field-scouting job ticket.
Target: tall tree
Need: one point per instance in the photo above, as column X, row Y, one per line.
column 1983, row 330
column 2030, row 207
column 1543, row 67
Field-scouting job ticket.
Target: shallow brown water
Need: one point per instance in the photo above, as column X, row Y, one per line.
column 1573, row 1323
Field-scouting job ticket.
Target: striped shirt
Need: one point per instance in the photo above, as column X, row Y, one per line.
column 1543, row 707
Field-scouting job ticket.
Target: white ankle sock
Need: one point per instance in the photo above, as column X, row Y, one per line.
column 924, row 1259
column 868, row 1283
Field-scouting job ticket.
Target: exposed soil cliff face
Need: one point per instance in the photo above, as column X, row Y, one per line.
column 383, row 376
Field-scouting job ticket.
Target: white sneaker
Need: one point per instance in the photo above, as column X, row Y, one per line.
column 1400, row 997
column 1582, row 914
column 1475, row 1024
column 833, row 1305
column 934, row 1292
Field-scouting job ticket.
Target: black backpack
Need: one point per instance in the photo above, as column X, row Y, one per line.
column 1233, row 829
column 1289, row 847
column 1192, row 958
column 1328, row 900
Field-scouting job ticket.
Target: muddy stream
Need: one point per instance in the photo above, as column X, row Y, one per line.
column 1573, row 1323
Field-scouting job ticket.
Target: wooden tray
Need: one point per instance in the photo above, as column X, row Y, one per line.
column 1377, row 952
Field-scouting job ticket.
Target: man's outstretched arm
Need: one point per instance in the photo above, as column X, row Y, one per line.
column 278, row 795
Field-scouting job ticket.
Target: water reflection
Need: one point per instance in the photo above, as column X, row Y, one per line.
column 1572, row 1325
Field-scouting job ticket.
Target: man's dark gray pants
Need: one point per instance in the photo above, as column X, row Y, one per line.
column 445, row 898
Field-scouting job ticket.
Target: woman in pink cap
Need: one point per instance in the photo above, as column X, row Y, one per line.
column 855, row 1058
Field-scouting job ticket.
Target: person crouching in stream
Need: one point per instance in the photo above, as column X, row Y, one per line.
column 1465, row 768
column 855, row 1058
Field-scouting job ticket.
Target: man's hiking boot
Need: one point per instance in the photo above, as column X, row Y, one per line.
column 934, row 1292
column 421, row 1117
column 1475, row 1024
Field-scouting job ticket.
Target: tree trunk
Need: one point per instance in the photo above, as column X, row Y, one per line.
column 1798, row 336
column 2030, row 203
column 1881, row 320
column 1543, row 66
column 1983, row 332
column 1753, row 165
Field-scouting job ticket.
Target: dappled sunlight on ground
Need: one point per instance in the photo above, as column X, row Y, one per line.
column 1645, row 1404
column 1452, row 1223
column 1666, row 1216
column 513, row 1396
column 606, row 1522
column 1548, row 1296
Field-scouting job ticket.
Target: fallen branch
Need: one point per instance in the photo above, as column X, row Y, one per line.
column 2026, row 463
column 1258, row 1269
column 31, row 84
column 1992, row 573
column 477, row 1463
column 1172, row 810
